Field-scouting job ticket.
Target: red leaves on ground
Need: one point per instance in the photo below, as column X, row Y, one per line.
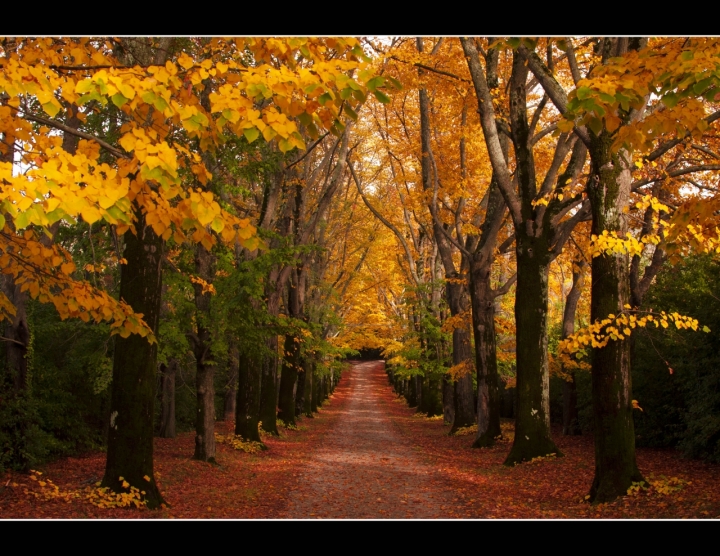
column 368, row 455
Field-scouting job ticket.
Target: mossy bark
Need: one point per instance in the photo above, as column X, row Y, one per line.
column 130, row 436
column 609, row 192
column 533, row 234
column 532, row 420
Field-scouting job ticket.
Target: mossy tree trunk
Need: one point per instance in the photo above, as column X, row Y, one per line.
column 532, row 421
column 130, row 436
column 614, row 432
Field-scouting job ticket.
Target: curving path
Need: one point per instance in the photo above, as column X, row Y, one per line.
column 364, row 467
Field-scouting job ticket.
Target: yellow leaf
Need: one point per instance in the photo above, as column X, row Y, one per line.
column 90, row 215
column 67, row 268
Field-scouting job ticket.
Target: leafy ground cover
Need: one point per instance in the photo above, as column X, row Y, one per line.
column 367, row 455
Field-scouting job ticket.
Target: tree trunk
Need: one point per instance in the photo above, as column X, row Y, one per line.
column 412, row 392
column 448, row 400
column 205, row 377
column 130, row 437
column 532, row 421
column 230, row 401
column 268, row 389
column 483, row 315
column 247, row 410
column 167, row 414
column 288, row 380
column 614, row 433
column 17, row 333
column 464, row 410
column 307, row 405
column 431, row 398
column 314, row 399
column 571, row 426
column 300, row 389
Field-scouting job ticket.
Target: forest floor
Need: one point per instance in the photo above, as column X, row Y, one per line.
column 367, row 455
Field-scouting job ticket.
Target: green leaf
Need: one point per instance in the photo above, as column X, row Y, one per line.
column 700, row 86
column 360, row 95
column 395, row 83
column 21, row 220
column 562, row 45
column 513, row 43
column 346, row 93
column 325, row 98
column 2, row 221
column 350, row 112
column 670, row 100
column 51, row 109
column 382, row 97
column 285, row 145
column 313, row 130
column 595, row 125
column 217, row 224
column 583, row 92
column 375, row 82
column 705, row 329
column 251, row 133
column 118, row 99
column 305, row 119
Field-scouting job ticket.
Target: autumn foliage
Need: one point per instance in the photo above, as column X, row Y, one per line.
column 198, row 233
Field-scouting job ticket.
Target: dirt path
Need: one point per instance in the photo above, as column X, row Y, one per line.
column 364, row 467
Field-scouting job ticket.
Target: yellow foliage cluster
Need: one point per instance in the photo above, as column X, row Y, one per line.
column 663, row 485
column 460, row 321
column 619, row 327
column 461, row 370
column 102, row 497
column 206, row 287
column 310, row 80
column 237, row 443
column 610, row 244
column 45, row 272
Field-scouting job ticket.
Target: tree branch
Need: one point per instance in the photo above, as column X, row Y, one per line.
column 72, row 131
